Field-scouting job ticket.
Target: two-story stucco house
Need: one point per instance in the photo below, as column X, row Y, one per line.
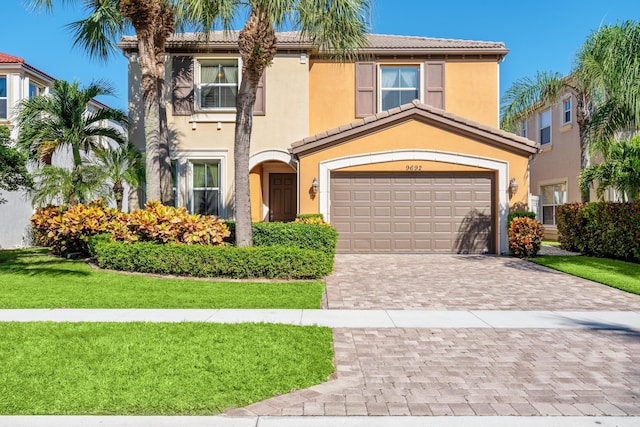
column 400, row 151
column 18, row 80
column 555, row 170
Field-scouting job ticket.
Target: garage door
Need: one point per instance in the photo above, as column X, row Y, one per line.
column 413, row 212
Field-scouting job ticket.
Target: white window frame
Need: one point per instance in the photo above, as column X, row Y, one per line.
column 5, row 98
column 554, row 205
column 566, row 111
column 39, row 90
column 540, row 128
column 419, row 66
column 524, row 127
column 204, row 61
column 192, row 189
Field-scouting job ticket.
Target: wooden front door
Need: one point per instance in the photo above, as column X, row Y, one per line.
column 283, row 203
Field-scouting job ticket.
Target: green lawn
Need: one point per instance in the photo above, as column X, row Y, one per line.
column 617, row 274
column 154, row 368
column 32, row 279
column 553, row 243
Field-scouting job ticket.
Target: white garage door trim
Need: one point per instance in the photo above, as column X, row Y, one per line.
column 500, row 166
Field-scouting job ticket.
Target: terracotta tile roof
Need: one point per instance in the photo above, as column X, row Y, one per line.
column 5, row 58
column 377, row 42
column 415, row 107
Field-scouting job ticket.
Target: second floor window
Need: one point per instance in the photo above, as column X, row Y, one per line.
column 545, row 127
column 398, row 85
column 523, row 129
column 34, row 90
column 3, row 98
column 218, row 85
column 566, row 111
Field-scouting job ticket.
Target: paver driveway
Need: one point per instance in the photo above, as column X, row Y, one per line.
column 463, row 282
column 408, row 371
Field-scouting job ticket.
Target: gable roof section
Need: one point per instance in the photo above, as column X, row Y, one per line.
column 421, row 112
column 5, row 58
column 292, row 40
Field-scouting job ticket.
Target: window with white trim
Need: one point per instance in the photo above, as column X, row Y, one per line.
column 523, row 129
column 544, row 119
column 399, row 84
column 552, row 196
column 35, row 90
column 566, row 111
column 3, row 98
column 218, row 84
column 205, row 198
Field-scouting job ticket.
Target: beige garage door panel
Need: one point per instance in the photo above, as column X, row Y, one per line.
column 402, row 212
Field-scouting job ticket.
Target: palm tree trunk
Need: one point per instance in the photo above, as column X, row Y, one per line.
column 257, row 43
column 118, row 191
column 583, row 112
column 242, row 147
column 154, row 22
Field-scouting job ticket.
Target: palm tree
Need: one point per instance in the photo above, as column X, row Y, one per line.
column 59, row 185
column 605, row 81
column 154, row 22
column 620, row 170
column 337, row 27
column 49, row 123
column 121, row 165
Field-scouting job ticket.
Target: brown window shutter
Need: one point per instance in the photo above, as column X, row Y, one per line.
column 260, row 107
column 182, row 85
column 434, row 84
column 366, row 89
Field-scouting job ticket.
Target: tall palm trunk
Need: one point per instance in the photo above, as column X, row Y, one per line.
column 584, row 108
column 153, row 21
column 257, row 42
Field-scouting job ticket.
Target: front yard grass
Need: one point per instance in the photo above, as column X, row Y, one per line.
column 31, row 278
column 154, row 368
column 615, row 273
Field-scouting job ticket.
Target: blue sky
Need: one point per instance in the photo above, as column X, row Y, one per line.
column 542, row 35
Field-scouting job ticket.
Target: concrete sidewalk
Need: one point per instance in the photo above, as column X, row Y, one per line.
column 491, row 319
column 222, row 421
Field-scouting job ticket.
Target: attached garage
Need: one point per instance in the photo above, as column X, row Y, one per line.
column 413, row 212
column 415, row 179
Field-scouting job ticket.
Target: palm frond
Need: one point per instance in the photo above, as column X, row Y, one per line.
column 98, row 33
column 528, row 94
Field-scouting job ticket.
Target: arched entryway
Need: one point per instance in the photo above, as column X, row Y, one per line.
column 274, row 187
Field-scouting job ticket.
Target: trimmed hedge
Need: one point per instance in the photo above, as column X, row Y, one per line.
column 602, row 229
column 525, row 236
column 294, row 234
column 273, row 262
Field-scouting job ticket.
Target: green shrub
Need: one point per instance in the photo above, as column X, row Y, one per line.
column 525, row 237
column 303, row 236
column 273, row 262
column 167, row 224
column 603, row 229
column 66, row 229
column 519, row 214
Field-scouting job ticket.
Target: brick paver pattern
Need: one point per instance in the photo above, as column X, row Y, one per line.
column 472, row 372
column 469, row 371
column 463, row 282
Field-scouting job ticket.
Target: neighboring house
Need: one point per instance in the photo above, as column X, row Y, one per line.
column 554, row 171
column 401, row 151
column 18, row 81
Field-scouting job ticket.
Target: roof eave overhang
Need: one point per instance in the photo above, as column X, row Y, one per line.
column 23, row 66
column 500, row 52
column 371, row 125
column 198, row 46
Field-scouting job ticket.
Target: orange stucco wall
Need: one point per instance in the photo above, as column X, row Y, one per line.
column 471, row 90
column 412, row 135
column 255, row 183
column 331, row 95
